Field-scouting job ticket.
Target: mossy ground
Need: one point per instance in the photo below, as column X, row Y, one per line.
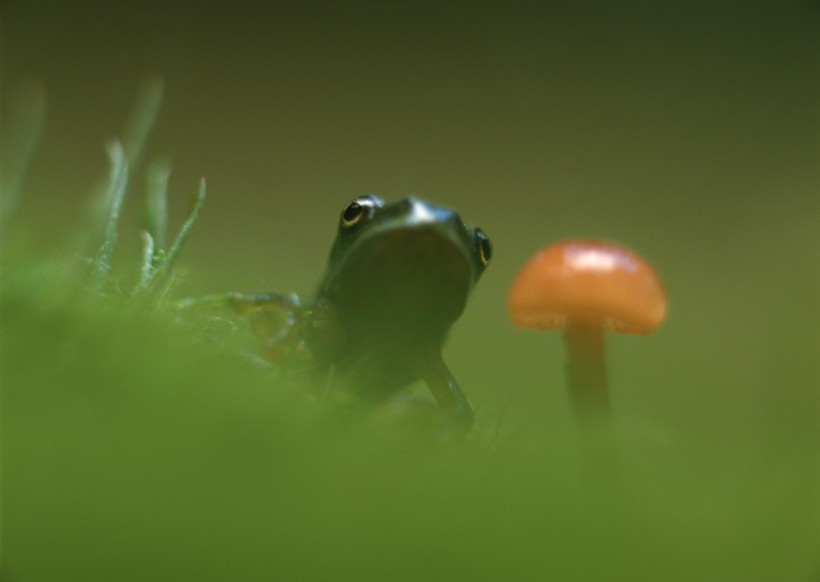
column 133, row 450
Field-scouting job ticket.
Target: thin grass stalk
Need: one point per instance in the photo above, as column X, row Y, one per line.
column 115, row 195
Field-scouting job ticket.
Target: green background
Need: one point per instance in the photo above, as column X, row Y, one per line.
column 686, row 130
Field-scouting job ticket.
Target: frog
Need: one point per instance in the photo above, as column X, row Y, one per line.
column 398, row 277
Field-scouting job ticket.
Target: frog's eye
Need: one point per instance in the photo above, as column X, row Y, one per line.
column 358, row 210
column 483, row 246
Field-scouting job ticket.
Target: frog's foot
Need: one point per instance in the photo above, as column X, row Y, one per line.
column 432, row 369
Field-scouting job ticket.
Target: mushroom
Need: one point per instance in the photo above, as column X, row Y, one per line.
column 587, row 287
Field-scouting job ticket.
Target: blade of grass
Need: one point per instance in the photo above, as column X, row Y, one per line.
column 115, row 195
column 156, row 202
column 185, row 231
column 147, row 268
column 133, row 138
column 163, row 264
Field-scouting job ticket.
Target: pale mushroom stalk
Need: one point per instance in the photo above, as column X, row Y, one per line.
column 586, row 370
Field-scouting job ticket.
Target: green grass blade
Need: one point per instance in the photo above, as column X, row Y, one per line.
column 185, row 231
column 156, row 203
column 163, row 262
column 115, row 195
column 147, row 269
column 133, row 138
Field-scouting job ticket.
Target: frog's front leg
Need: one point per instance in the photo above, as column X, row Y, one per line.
column 432, row 369
column 292, row 331
column 275, row 319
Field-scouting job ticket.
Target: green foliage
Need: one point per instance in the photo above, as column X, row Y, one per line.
column 132, row 452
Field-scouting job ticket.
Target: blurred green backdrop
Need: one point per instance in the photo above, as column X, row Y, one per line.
column 687, row 130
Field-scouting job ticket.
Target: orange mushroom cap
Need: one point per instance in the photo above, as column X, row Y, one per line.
column 591, row 283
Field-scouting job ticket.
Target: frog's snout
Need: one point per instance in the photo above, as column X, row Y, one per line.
column 419, row 213
column 414, row 281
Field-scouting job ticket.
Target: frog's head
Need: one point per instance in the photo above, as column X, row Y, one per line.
column 400, row 273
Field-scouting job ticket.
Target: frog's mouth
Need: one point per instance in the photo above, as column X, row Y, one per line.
column 404, row 287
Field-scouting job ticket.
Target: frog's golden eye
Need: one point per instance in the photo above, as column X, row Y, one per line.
column 358, row 210
column 484, row 247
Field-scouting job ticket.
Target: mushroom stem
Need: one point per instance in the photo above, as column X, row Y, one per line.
column 586, row 371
